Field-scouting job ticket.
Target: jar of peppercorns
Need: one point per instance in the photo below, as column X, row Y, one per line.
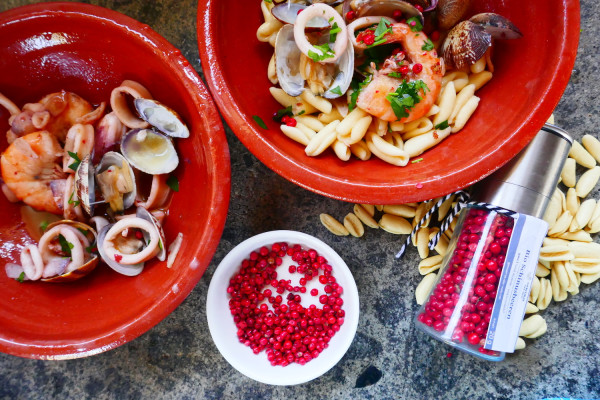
column 480, row 294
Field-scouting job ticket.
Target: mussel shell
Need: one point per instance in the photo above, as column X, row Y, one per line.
column 466, row 43
column 112, row 158
column 141, row 212
column 287, row 13
column 149, row 151
column 127, row 270
column 85, row 268
column 383, row 8
column 287, row 62
column 449, row 12
column 496, row 25
column 161, row 117
column 85, row 185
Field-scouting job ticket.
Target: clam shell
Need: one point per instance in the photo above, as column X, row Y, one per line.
column 128, row 270
column 84, row 185
column 331, row 3
column 287, row 62
column 141, row 212
column 343, row 78
column 497, row 26
column 161, row 117
column 113, row 158
column 449, row 12
column 85, row 268
column 386, row 8
column 465, row 44
column 149, row 151
column 287, row 13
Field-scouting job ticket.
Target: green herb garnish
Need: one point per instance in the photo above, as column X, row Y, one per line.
column 21, row 277
column 44, row 226
column 282, row 113
column 406, row 96
column 428, row 45
column 173, row 183
column 418, row 160
column 326, row 52
column 65, row 246
column 396, row 75
column 268, row 1
column 442, row 125
column 160, row 246
column 336, row 90
column 335, row 29
column 259, row 121
column 417, row 26
column 74, row 202
column 91, row 247
column 382, row 28
column 75, row 157
column 301, row 112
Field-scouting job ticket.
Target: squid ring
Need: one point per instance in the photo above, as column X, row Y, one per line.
column 321, row 11
column 130, row 259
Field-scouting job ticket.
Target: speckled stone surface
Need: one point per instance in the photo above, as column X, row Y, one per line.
column 177, row 358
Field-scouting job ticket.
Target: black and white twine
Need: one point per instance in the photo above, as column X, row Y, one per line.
column 462, row 200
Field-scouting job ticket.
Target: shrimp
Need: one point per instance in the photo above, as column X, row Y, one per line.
column 31, row 168
column 66, row 109
column 372, row 98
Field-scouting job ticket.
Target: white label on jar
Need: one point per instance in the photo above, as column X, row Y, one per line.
column 515, row 283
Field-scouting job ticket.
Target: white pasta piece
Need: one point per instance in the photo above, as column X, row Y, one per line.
column 541, row 271
column 581, row 155
column 442, row 245
column 585, row 265
column 357, row 132
column 430, row 264
column 460, row 81
column 353, row 225
column 317, row 102
column 520, row 344
column 562, row 224
column 386, row 151
column 424, row 288
column 478, row 66
column 333, row 225
column 531, row 325
column 295, row 134
column 422, row 239
column 447, row 98
column 370, row 208
column 461, row 99
column 480, row 79
column 345, row 127
column 561, row 274
column 560, row 196
column 542, row 329
column 545, row 295
column 465, row 113
column 590, row 278
column 556, row 253
column 585, row 250
column 444, row 208
column 310, row 121
column 572, row 201
column 419, row 144
column 549, row 241
column 535, row 290
column 271, row 72
column 531, row 308
column 551, row 119
column 449, row 77
column 334, row 115
column 401, row 210
column 341, row 106
column 587, row 181
column 583, row 215
column 558, row 293
column 379, row 126
column 394, row 224
column 322, row 140
column 573, row 281
column 423, row 125
column 553, row 211
column 592, row 145
column 310, row 133
column 361, row 150
column 365, row 216
column 341, row 150
column 568, row 173
column 395, row 139
column 396, row 126
column 282, row 97
column 580, row 236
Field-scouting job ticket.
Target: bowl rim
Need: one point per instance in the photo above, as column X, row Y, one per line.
column 219, row 183
column 385, row 192
column 230, row 264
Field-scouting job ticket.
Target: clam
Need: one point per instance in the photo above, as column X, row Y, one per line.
column 466, row 43
column 287, row 12
column 497, row 26
column 141, row 212
column 123, row 269
column 161, row 117
column 84, row 269
column 287, row 62
column 383, row 8
column 149, row 151
column 84, row 185
column 116, row 181
column 449, row 12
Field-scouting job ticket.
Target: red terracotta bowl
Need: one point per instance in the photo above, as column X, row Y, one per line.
column 93, row 49
column 531, row 75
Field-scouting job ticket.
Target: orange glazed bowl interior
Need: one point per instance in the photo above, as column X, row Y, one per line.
column 530, row 76
column 90, row 50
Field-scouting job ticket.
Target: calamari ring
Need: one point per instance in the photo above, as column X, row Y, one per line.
column 131, row 223
column 9, row 105
column 80, row 140
column 118, row 102
column 322, row 11
column 159, row 193
column 32, row 263
column 71, row 236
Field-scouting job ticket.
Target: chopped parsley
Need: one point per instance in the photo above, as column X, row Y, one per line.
column 382, row 28
column 335, row 29
column 356, row 87
column 74, row 202
column 173, row 183
column 268, row 1
column 91, row 248
column 21, row 277
column 301, row 112
column 44, row 226
column 326, row 52
column 160, row 245
column 442, row 125
column 75, row 157
column 428, row 45
column 395, row 75
column 65, row 246
column 259, row 121
column 406, row 96
column 336, row 90
column 415, row 24
column 282, row 113
column 418, row 160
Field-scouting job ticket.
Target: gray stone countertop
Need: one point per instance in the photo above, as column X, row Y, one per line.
column 178, row 359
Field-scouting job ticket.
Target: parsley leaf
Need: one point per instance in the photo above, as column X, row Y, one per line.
column 173, row 183
column 395, row 75
column 382, row 28
column 301, row 112
column 91, row 248
column 406, row 96
column 160, row 245
column 74, row 202
column 268, row 1
column 282, row 113
column 65, row 246
column 75, row 157
column 442, row 125
column 21, row 277
column 336, row 90
column 259, row 121
column 356, row 87
column 418, row 160
column 44, row 226
column 335, row 29
column 417, row 26
column 428, row 45
column 326, row 52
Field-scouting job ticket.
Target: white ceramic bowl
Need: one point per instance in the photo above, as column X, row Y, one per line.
column 223, row 329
